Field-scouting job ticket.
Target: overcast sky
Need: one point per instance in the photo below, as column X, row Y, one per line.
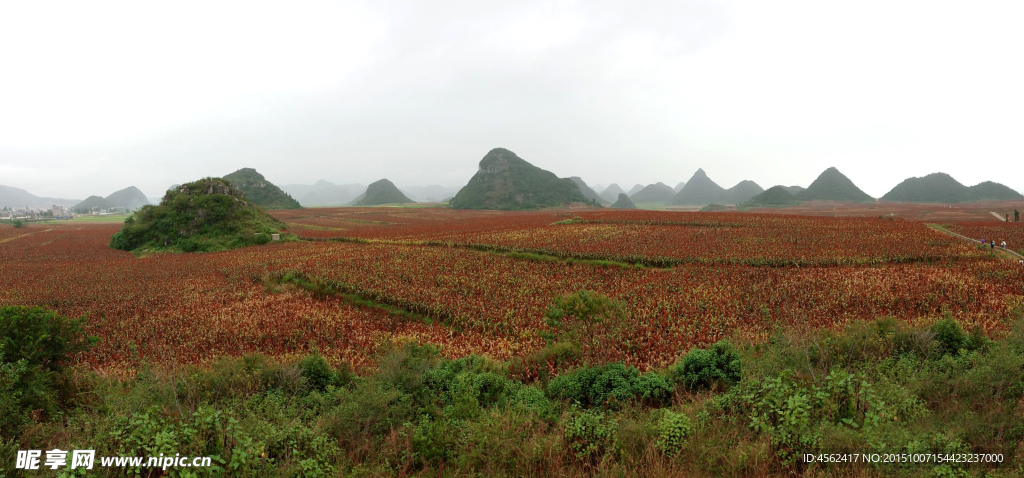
column 96, row 96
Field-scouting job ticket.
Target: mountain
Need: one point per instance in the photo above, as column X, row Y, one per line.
column 431, row 193
column 832, row 185
column 774, row 196
column 261, row 192
column 92, row 203
column 382, row 192
column 611, row 193
column 794, row 190
column 657, row 192
column 700, row 189
column 623, row 202
column 635, row 189
column 205, row 215
column 324, row 193
column 679, row 187
column 942, row 188
column 129, row 198
column 506, row 181
column 12, row 197
column 993, row 191
column 741, row 192
column 587, row 192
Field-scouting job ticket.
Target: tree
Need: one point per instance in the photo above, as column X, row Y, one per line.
column 1016, row 215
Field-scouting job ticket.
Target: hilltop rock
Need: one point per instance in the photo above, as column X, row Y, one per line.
column 205, row 215
column 832, row 185
column 382, row 192
column 261, row 192
column 505, row 181
column 623, row 202
column 611, row 193
column 654, row 193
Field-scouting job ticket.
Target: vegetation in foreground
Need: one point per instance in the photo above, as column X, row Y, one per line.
column 205, row 215
column 876, row 387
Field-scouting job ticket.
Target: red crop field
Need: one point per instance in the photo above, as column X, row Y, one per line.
column 1011, row 232
column 724, row 275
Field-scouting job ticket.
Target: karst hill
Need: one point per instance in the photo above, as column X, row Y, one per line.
column 506, row 181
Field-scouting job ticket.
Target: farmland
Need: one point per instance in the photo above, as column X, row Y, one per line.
column 363, row 283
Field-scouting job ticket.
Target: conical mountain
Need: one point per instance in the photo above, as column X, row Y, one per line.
column 261, row 192
column 774, row 196
column 935, row 187
column 700, row 189
column 657, row 193
column 623, row 202
column 832, row 185
column 635, row 189
column 383, row 192
column 506, row 181
column 679, row 187
column 611, row 193
column 587, row 191
column 129, row 198
column 741, row 192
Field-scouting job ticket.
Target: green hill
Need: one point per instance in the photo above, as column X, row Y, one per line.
column 382, row 192
column 774, row 196
column 942, row 188
column 205, row 215
column 505, row 181
column 990, row 190
column 623, row 202
column 657, row 192
column 129, row 198
column 700, row 189
column 587, row 191
column 832, row 185
column 92, row 203
column 794, row 190
column 261, row 192
column 741, row 192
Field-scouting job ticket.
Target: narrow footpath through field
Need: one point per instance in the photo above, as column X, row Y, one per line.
column 1008, row 254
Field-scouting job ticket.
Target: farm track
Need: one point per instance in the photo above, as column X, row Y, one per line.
column 1004, row 252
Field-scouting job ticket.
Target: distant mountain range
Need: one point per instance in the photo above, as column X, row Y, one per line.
column 653, row 193
column 587, row 192
column 506, row 181
column 129, row 198
column 942, row 188
column 611, row 193
column 11, row 197
column 700, row 189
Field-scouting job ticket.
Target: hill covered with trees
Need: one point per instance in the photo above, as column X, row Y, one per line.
column 382, row 192
column 942, row 188
column 506, row 181
column 205, row 215
column 623, row 202
column 261, row 192
column 832, row 185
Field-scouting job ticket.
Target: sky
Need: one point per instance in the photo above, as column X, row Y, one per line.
column 97, row 96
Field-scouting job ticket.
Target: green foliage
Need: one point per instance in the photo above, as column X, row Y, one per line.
column 832, row 185
column 210, row 216
column 589, row 435
column 18, row 224
column 942, row 188
column 570, row 315
column 504, row 181
column 773, row 196
column 319, row 374
column 611, row 386
column 673, row 428
column 37, row 345
column 705, row 368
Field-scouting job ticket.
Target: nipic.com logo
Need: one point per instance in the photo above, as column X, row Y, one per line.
column 86, row 459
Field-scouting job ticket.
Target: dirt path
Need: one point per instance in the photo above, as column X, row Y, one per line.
column 1009, row 254
column 996, row 214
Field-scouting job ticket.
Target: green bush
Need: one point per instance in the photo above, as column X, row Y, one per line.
column 589, row 435
column 319, row 374
column 17, row 224
column 673, row 428
column 704, row 368
column 610, row 385
column 569, row 315
column 37, row 345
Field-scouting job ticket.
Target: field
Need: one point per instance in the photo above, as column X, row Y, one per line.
column 368, row 280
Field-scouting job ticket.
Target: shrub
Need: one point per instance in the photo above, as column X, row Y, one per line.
column 705, row 368
column 17, row 224
column 950, row 337
column 610, row 385
column 673, row 429
column 583, row 308
column 589, row 435
column 261, row 238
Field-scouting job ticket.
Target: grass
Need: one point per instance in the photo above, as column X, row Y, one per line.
column 112, row 218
